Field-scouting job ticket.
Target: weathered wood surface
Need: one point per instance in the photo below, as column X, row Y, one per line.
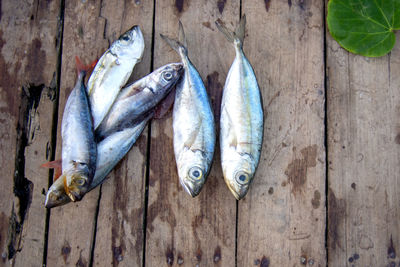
column 363, row 156
column 28, row 74
column 309, row 204
column 282, row 219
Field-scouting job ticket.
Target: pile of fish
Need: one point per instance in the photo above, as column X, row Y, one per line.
column 102, row 120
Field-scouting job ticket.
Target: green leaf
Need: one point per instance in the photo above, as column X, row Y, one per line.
column 364, row 27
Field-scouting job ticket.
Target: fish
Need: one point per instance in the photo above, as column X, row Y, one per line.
column 109, row 152
column 78, row 144
column 112, row 71
column 241, row 121
column 193, row 123
column 138, row 98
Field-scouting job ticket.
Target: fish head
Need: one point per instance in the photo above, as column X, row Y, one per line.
column 171, row 73
column 130, row 44
column 56, row 195
column 239, row 175
column 76, row 185
column 193, row 171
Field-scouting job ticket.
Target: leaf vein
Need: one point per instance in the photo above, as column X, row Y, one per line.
column 362, row 15
column 383, row 14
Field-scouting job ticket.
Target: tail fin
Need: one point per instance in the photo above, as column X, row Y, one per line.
column 181, row 35
column 56, row 165
column 180, row 48
column 238, row 34
column 80, row 67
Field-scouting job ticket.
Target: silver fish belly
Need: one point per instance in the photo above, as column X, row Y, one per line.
column 241, row 123
column 139, row 98
column 193, row 125
column 112, row 71
column 78, row 144
column 109, row 152
column 194, row 131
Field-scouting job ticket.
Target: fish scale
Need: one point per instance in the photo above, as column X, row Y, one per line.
column 113, row 71
column 241, row 122
column 134, row 107
column 139, row 98
column 193, row 124
column 110, row 151
column 78, row 146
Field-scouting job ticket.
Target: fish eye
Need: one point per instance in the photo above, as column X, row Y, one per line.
column 242, row 177
column 80, row 181
column 195, row 173
column 125, row 37
column 167, row 75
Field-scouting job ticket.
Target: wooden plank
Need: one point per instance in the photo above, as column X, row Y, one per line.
column 72, row 226
column 182, row 231
column 363, row 145
column 28, row 61
column 281, row 221
column 120, row 222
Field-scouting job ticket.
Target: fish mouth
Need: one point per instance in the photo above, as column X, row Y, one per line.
column 135, row 28
column 54, row 200
column 191, row 188
column 238, row 193
column 50, row 201
column 134, row 31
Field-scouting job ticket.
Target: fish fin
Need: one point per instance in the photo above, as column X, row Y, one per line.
column 180, row 48
column 238, row 35
column 241, row 28
column 56, row 165
column 93, row 64
column 165, row 105
column 71, row 196
column 174, row 44
column 52, row 164
column 222, row 28
column 80, row 67
column 181, row 35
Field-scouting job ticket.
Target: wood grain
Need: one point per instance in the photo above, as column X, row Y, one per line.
column 72, row 226
column 28, row 61
column 120, row 232
column 181, row 230
column 281, row 221
column 363, row 145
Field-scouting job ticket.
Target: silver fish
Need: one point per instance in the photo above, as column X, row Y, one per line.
column 78, row 144
column 109, row 152
column 138, row 98
column 193, row 124
column 112, row 71
column 241, row 121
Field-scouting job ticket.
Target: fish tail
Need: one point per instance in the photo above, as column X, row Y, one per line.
column 180, row 48
column 241, row 28
column 181, row 35
column 237, row 35
column 80, row 67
